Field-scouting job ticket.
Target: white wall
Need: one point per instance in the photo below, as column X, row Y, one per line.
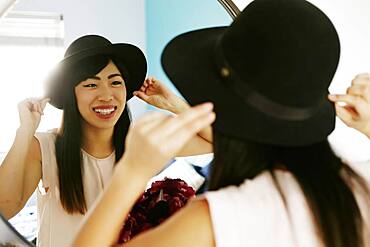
column 118, row 20
column 352, row 21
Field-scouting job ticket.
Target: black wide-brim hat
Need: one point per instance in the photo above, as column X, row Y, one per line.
column 267, row 74
column 130, row 56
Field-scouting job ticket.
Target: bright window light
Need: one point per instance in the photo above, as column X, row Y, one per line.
column 31, row 44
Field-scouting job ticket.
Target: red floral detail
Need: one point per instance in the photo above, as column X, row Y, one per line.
column 156, row 204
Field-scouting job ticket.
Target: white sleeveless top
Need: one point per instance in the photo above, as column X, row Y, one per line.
column 254, row 214
column 57, row 228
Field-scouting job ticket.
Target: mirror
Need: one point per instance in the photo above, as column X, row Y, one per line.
column 230, row 7
column 38, row 31
column 34, row 34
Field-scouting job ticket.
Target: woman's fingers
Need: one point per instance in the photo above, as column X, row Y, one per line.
column 184, row 134
column 348, row 99
column 361, row 79
column 345, row 115
column 39, row 104
column 146, row 83
column 35, row 104
column 151, row 81
column 159, row 127
column 353, row 108
column 156, row 137
column 357, row 90
column 184, row 120
column 142, row 95
column 356, row 102
column 32, row 104
column 142, row 88
column 360, row 86
column 148, row 122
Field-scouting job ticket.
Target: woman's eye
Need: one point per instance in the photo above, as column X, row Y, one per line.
column 117, row 83
column 91, row 85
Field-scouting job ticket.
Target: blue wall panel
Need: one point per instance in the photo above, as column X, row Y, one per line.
column 167, row 18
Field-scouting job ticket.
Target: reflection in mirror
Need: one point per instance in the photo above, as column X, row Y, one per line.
column 33, row 40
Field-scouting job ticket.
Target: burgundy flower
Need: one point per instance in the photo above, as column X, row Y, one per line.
column 159, row 202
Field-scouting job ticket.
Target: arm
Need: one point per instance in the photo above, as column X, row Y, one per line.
column 150, row 143
column 178, row 105
column 104, row 224
column 355, row 112
column 192, row 222
column 103, row 227
column 155, row 93
column 20, row 171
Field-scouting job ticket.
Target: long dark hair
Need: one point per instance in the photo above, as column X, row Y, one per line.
column 68, row 141
column 325, row 180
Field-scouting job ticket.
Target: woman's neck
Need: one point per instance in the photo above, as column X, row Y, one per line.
column 98, row 142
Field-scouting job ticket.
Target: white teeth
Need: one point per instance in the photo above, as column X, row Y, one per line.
column 104, row 111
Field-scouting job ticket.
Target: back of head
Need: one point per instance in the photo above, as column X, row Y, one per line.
column 268, row 75
column 274, row 64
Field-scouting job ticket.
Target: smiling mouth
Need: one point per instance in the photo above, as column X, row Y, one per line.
column 105, row 110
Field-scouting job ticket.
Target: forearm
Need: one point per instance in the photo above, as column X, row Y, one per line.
column 178, row 106
column 105, row 222
column 12, row 173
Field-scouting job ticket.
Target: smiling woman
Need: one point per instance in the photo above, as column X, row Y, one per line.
column 74, row 163
column 101, row 99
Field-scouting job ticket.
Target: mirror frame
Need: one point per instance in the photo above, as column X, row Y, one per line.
column 230, row 7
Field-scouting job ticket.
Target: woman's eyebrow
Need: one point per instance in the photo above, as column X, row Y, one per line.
column 114, row 75
column 94, row 77
column 109, row 77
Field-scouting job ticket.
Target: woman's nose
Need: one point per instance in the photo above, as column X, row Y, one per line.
column 105, row 94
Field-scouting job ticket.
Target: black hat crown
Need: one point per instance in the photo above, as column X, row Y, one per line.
column 284, row 50
column 85, row 43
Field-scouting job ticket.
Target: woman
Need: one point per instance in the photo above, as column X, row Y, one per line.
column 74, row 163
column 275, row 180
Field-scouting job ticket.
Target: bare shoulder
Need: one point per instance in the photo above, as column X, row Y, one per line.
column 192, row 223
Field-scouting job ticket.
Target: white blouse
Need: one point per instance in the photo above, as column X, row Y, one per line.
column 57, row 228
column 254, row 214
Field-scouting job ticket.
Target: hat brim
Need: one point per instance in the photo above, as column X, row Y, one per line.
column 188, row 61
column 131, row 56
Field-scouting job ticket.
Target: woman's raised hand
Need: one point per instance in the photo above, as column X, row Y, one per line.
column 355, row 112
column 30, row 111
column 157, row 94
column 156, row 138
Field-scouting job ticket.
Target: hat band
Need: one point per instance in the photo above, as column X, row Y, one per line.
column 255, row 99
